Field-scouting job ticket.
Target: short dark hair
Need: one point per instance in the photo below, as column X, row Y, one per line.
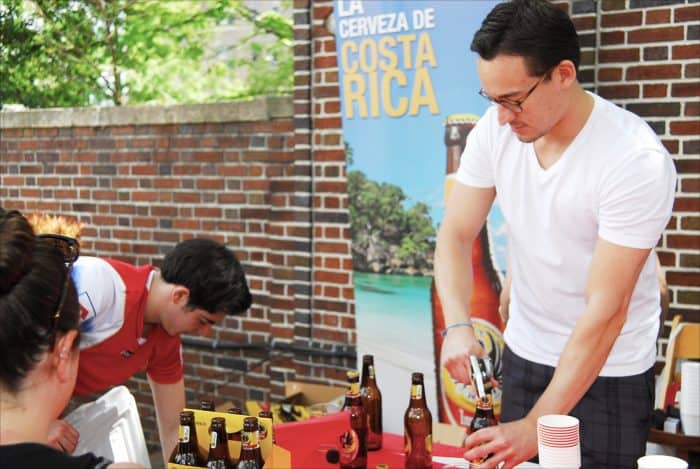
column 32, row 276
column 212, row 274
column 536, row 30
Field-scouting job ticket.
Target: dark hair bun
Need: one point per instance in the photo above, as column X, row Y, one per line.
column 17, row 243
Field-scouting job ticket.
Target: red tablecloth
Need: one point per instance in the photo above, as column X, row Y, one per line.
column 308, row 441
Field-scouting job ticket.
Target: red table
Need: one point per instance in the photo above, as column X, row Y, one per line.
column 308, row 441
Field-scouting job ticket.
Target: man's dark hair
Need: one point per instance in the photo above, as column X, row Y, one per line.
column 211, row 272
column 536, row 30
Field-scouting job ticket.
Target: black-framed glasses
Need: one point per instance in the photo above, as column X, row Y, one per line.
column 70, row 248
column 515, row 105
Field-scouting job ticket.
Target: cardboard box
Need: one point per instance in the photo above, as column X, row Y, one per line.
column 447, row 434
column 302, row 401
column 273, row 455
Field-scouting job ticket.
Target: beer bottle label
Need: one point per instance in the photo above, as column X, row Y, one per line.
column 416, row 391
column 262, row 431
column 249, row 440
column 353, row 389
column 184, row 434
column 212, row 444
column 349, row 446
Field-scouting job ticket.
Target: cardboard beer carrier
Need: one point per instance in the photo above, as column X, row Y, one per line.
column 274, row 456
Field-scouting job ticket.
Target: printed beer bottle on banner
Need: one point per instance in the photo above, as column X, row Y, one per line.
column 372, row 402
column 251, row 457
column 457, row 402
column 418, row 428
column 187, row 447
column 353, row 443
column 218, row 445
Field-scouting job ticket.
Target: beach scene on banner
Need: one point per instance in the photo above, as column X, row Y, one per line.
column 408, row 87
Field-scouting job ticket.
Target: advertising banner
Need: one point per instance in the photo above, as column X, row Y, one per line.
column 409, row 98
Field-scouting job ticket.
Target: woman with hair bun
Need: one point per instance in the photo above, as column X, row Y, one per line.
column 39, row 339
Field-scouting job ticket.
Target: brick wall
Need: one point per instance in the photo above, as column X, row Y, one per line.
column 143, row 178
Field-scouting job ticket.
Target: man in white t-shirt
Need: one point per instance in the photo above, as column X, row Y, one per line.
column 586, row 188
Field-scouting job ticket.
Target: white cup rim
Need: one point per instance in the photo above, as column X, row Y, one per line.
column 661, row 461
column 557, row 421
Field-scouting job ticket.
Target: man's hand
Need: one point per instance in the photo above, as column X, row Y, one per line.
column 459, row 343
column 63, row 436
column 510, row 443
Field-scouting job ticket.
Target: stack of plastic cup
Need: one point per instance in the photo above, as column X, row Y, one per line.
column 659, row 461
column 558, row 441
column 690, row 398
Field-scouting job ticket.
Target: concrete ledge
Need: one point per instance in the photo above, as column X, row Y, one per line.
column 259, row 109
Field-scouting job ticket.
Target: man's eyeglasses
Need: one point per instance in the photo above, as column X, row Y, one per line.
column 70, row 248
column 515, row 105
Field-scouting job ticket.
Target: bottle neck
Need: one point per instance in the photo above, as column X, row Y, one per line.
column 368, row 375
column 417, row 395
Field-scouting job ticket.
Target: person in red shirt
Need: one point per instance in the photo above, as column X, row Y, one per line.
column 132, row 318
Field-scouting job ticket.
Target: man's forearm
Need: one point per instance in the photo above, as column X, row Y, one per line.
column 453, row 278
column 580, row 363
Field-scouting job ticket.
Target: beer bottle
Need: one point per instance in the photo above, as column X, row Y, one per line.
column 261, row 427
column 207, row 404
column 353, row 453
column 218, row 445
column 418, row 427
column 251, row 456
column 483, row 417
column 187, row 448
column 372, row 402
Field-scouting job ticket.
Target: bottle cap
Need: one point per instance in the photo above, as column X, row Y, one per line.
column 332, row 456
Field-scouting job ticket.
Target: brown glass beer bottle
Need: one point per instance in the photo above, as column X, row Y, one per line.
column 418, row 427
column 372, row 402
column 218, row 445
column 261, row 428
column 187, row 453
column 251, row 456
column 484, row 416
column 207, row 404
column 353, row 451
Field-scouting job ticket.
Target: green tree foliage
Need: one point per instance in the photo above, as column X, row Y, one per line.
column 386, row 236
column 82, row 52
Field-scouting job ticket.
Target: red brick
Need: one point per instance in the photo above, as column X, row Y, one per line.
column 619, row 55
column 685, row 52
column 653, row 72
column 671, row 33
column 655, row 90
column 685, row 89
column 691, row 13
column 685, row 128
column 684, row 278
column 612, row 37
column 657, row 16
column 616, row 20
column 610, row 74
column 686, row 204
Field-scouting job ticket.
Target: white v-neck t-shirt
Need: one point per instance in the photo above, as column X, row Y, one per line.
column 615, row 181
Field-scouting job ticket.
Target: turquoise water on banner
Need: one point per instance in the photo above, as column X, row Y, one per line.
column 395, row 311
